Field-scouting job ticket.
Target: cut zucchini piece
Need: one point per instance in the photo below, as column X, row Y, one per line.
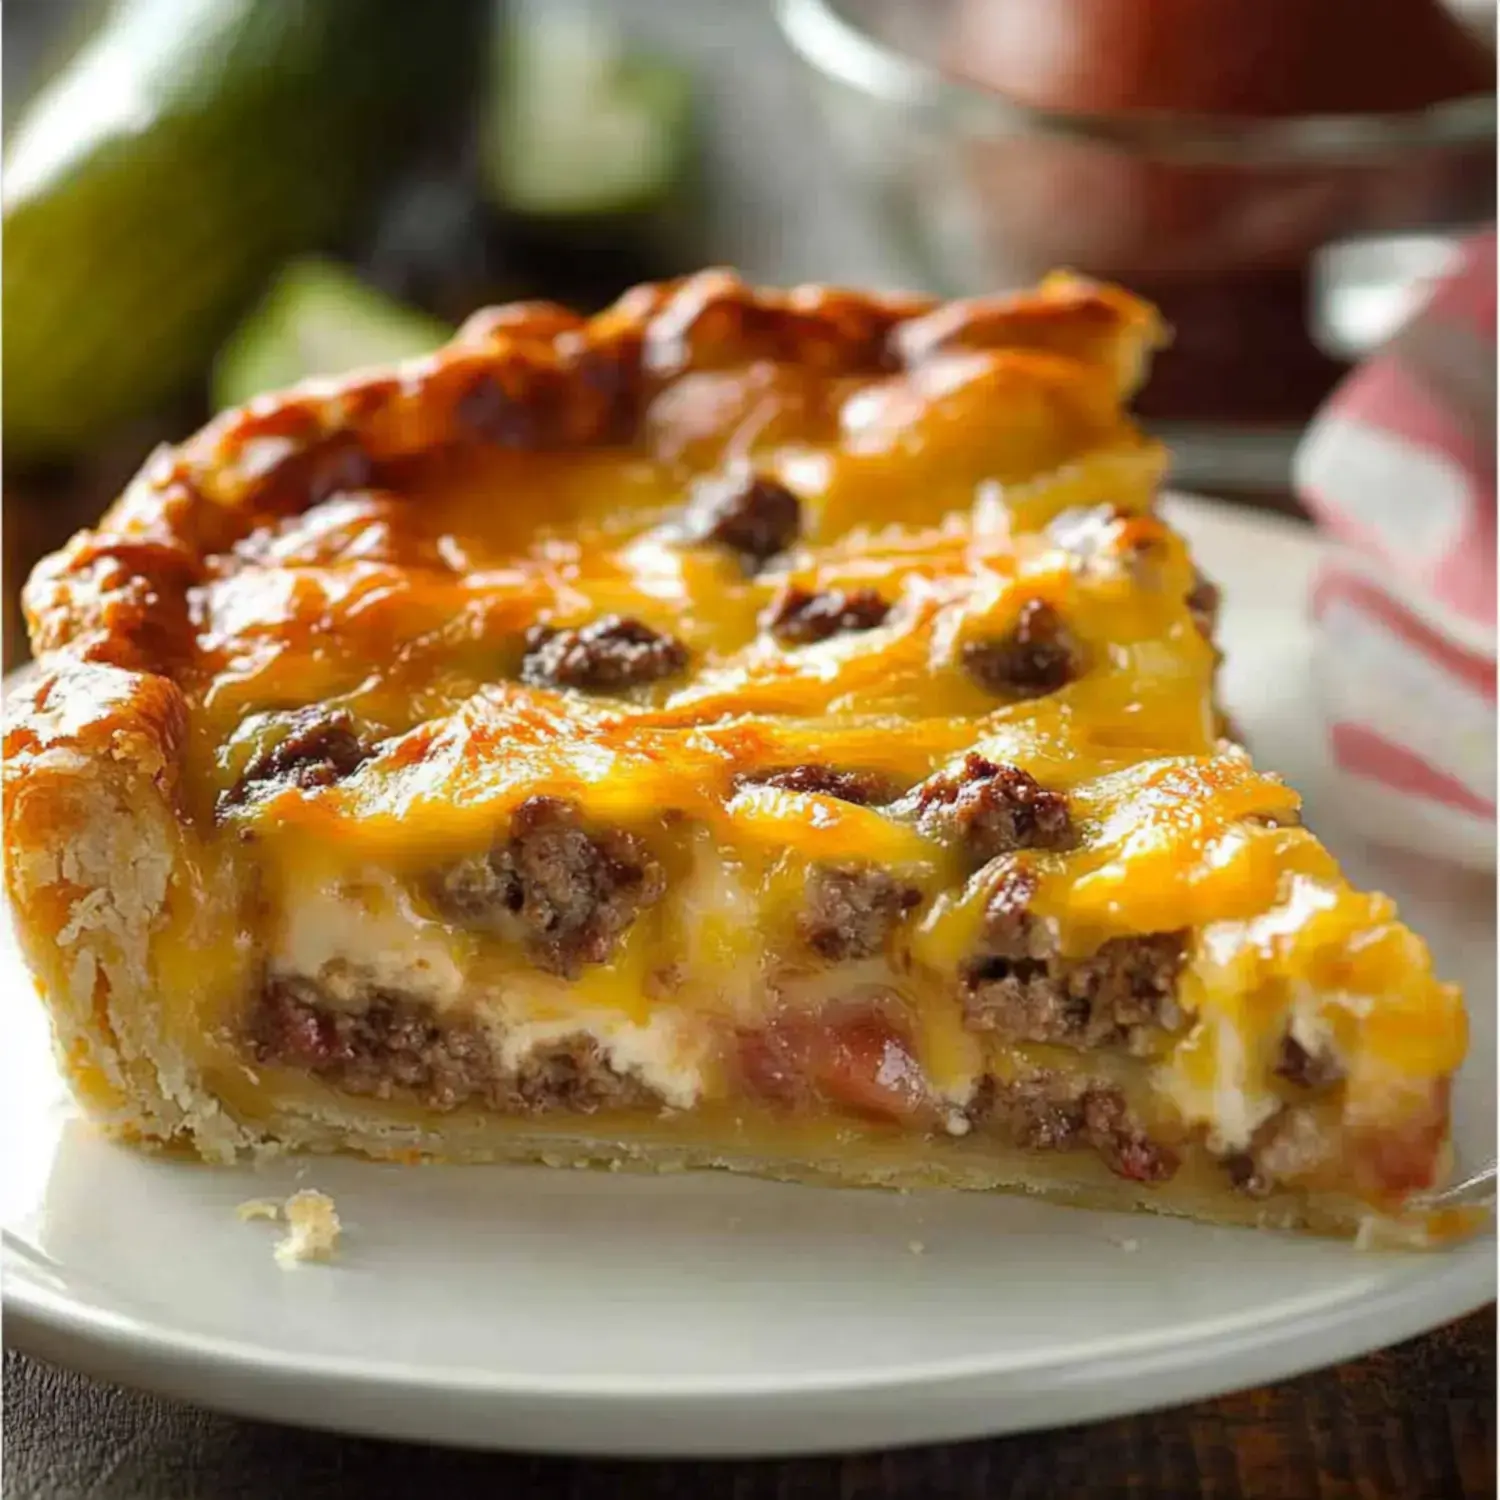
column 585, row 125
column 318, row 319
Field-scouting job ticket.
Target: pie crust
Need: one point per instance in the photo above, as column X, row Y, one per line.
column 743, row 728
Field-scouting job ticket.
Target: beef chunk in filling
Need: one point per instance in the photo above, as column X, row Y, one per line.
column 1246, row 1177
column 609, row 653
column 1294, row 1143
column 321, row 747
column 392, row 1046
column 751, row 515
column 567, row 893
column 863, row 788
column 801, row 618
column 574, row 1076
column 1308, row 1067
column 1043, row 1110
column 1037, row 656
column 995, row 809
column 1020, row 986
column 850, row 909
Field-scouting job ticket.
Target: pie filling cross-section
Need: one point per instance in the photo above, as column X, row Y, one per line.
column 768, row 730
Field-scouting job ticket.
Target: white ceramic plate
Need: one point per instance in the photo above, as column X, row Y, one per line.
column 703, row 1314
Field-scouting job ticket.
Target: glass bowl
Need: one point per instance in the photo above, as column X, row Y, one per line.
column 1239, row 229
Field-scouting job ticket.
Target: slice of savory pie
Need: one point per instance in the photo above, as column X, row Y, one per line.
column 762, row 730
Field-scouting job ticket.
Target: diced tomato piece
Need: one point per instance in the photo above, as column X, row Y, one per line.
column 769, row 1065
column 866, row 1065
column 855, row 1059
column 1405, row 1158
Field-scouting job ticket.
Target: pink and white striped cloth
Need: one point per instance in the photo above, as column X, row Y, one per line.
column 1399, row 470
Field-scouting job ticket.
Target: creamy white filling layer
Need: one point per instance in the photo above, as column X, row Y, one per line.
column 358, row 934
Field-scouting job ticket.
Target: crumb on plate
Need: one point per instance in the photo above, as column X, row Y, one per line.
column 312, row 1224
column 259, row 1208
column 313, row 1231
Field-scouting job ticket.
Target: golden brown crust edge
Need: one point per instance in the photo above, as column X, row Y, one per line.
column 336, row 1125
column 531, row 375
column 100, row 854
column 96, row 857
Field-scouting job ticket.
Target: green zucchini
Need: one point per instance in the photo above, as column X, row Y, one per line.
column 317, row 319
column 585, row 126
column 188, row 149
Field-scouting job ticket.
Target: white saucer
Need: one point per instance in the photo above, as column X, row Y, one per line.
column 704, row 1315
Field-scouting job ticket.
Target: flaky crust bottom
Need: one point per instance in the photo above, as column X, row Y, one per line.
column 319, row 1122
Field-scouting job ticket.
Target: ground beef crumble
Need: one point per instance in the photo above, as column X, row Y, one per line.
column 1245, row 1176
column 1203, row 605
column 1044, row 1110
column 753, row 516
column 802, row 618
column 849, row 910
column 863, row 788
column 398, row 1047
column 994, row 809
column 320, row 747
column 1284, row 1147
column 1020, row 986
column 608, row 654
column 1305, row 1067
column 1037, row 656
column 564, row 891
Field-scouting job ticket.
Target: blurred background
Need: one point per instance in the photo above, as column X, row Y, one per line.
column 204, row 199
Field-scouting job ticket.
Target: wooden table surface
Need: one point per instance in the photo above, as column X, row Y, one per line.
column 1413, row 1423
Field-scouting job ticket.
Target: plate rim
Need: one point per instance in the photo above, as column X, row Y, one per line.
column 1463, row 1265
column 467, row 1407
column 1081, row 1383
